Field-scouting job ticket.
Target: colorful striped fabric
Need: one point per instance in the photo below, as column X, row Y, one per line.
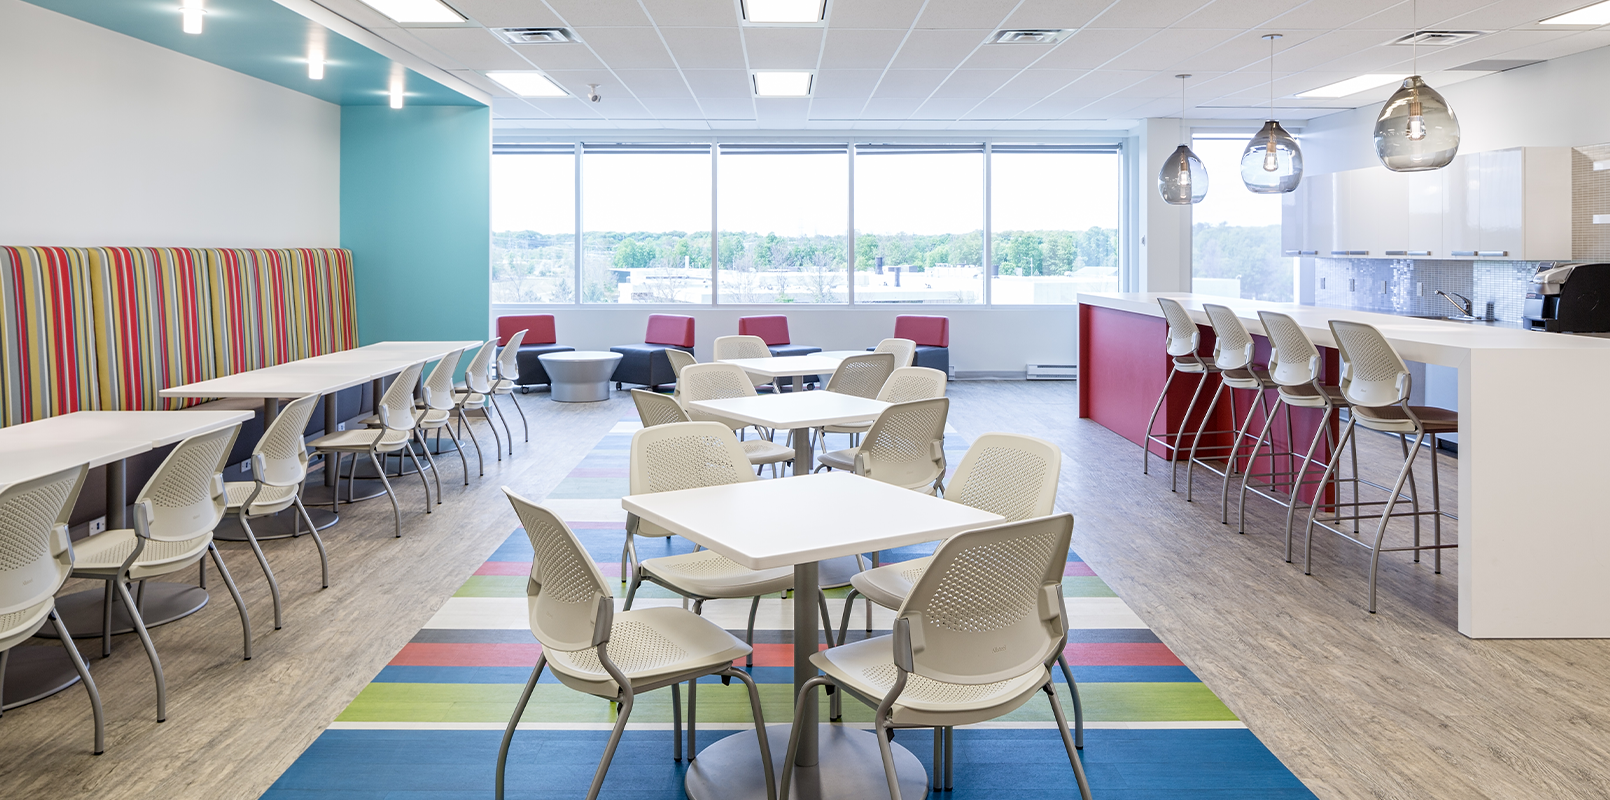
column 110, row 327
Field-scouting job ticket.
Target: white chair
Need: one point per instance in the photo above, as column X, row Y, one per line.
column 1232, row 354
column 717, row 381
column 438, row 404
column 903, row 385
column 905, row 446
column 729, row 347
column 476, row 394
column 36, row 557
column 1376, row 383
column 862, row 376
column 689, row 455
column 905, row 350
column 657, row 409
column 279, row 465
column 616, row 656
column 395, row 412
column 678, row 359
column 508, row 370
column 1183, row 339
column 173, row 520
column 970, row 643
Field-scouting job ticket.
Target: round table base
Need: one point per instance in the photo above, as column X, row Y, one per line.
column 279, row 526
column 164, row 603
column 317, row 495
column 35, row 673
column 848, row 767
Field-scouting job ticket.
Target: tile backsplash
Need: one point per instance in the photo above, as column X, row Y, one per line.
column 1408, row 286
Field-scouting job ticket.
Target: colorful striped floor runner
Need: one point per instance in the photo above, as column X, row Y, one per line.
column 428, row 726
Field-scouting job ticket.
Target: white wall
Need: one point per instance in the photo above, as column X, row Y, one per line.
column 1555, row 103
column 1165, row 250
column 993, row 341
column 108, row 140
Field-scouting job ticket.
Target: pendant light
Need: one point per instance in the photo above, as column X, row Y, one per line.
column 1272, row 162
column 1182, row 180
column 1416, row 130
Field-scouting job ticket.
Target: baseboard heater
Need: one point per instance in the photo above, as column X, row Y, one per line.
column 1053, row 372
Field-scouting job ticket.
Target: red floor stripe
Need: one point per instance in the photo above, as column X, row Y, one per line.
column 505, row 568
column 1078, row 569
column 1123, row 654
column 431, row 654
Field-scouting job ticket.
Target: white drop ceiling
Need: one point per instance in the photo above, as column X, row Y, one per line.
column 925, row 64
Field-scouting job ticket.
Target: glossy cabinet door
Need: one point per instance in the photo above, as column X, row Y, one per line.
column 1320, row 216
column 1426, row 200
column 1502, row 214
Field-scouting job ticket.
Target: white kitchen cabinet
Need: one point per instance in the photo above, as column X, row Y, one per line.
column 1426, row 199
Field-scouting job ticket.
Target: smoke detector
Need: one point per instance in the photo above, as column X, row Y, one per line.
column 1438, row 38
column 1029, row 36
column 535, row 35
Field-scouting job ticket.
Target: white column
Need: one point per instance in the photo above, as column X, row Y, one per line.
column 1165, row 244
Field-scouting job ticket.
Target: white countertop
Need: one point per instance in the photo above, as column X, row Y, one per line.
column 1425, row 340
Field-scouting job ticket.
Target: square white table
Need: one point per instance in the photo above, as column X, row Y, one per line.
column 796, row 367
column 798, row 412
column 834, row 515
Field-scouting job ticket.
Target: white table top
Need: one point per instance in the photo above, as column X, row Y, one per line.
column 293, row 379
column 795, row 410
column 786, row 366
column 26, row 458
column 849, row 514
column 580, row 355
column 156, row 428
column 840, row 355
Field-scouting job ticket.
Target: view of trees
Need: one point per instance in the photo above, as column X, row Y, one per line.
column 1248, row 253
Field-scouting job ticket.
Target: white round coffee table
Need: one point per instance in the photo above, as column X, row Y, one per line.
column 579, row 376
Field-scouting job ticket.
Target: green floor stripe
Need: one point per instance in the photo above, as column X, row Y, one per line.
column 1086, row 586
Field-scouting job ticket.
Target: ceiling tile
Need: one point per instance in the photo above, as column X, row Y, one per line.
column 705, row 48
column 727, row 108
column 1039, row 83
column 360, row 13
column 1170, row 47
column 1244, row 50
column 938, row 49
column 890, row 108
column 481, row 82
column 1500, row 16
column 567, row 108
column 406, row 40
column 628, row 48
column 664, row 84
column 1000, row 108
column 846, row 83
column 475, row 48
column 918, row 83
column 896, row 14
column 975, row 83
column 508, row 13
column 575, row 81
column 601, row 13
column 1321, row 49
column 1328, row 15
column 692, row 13
column 622, row 108
column 964, row 13
column 1555, row 48
column 719, row 83
column 778, row 110
column 515, row 108
column 869, row 49
column 1006, row 56
column 666, row 108
column 1089, row 49
column 1100, row 83
column 1147, row 13
column 1052, row 14
column 783, row 48
column 945, row 108
column 559, row 56
column 1241, row 14
column 823, row 108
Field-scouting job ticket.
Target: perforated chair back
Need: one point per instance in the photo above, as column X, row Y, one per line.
column 1008, row 474
column 863, row 375
column 657, row 409
column 713, row 381
column 1183, row 335
column 686, row 455
column 905, row 350
column 1232, row 345
column 1294, row 359
column 186, row 497
column 508, row 365
column 913, row 383
column 1373, row 374
column 989, row 606
column 680, row 360
column 478, row 375
column 282, row 448
column 906, row 445
column 438, row 387
column 36, row 555
column 396, row 406
column 728, row 347
column 565, row 588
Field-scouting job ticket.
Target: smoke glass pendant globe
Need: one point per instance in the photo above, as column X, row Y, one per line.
column 1182, row 180
column 1272, row 162
column 1416, row 130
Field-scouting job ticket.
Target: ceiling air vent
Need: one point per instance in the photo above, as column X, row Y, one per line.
column 1438, row 38
column 1029, row 36
column 535, row 35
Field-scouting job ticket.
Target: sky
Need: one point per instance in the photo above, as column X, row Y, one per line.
column 807, row 194
column 1228, row 201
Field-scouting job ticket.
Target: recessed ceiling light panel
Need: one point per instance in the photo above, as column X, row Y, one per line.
column 1353, row 85
column 785, row 12
column 782, row 84
column 406, row 11
column 1029, row 36
column 535, row 35
column 1596, row 14
column 526, row 83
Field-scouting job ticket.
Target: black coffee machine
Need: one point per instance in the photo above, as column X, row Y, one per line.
column 1574, row 298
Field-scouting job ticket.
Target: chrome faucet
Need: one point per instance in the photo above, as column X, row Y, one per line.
column 1466, row 306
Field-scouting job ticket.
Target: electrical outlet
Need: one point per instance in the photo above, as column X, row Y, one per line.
column 1321, row 283
column 1352, row 284
column 97, row 525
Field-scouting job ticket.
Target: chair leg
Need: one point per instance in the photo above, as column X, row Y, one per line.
column 1196, row 441
column 693, row 719
column 273, row 585
column 463, row 426
column 614, row 742
column 234, row 591
column 1414, row 495
column 880, row 730
column 318, row 541
column 408, row 448
column 624, row 547
column 1241, row 498
column 396, row 513
column 844, row 624
column 1436, row 509
column 760, row 728
column 463, row 460
column 106, row 622
column 1145, row 439
column 1386, row 515
column 1301, row 473
column 1174, row 453
column 492, row 400
column 525, row 426
column 950, row 756
column 335, row 487
column 749, row 632
column 1078, row 706
column 676, row 722
column 1235, row 450
column 436, row 474
column 89, row 683
column 1313, row 508
column 514, row 720
column 631, row 593
column 807, row 694
column 150, row 649
column 497, row 441
column 1067, row 741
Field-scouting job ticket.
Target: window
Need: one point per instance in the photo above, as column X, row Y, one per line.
column 1054, row 222
column 534, row 224
column 919, row 224
column 646, row 223
column 783, row 212
column 1235, row 234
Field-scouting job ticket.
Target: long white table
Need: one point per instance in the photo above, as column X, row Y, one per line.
column 1534, row 546
column 810, row 518
column 796, row 367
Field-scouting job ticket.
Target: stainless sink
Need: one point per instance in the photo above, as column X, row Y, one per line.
column 1460, row 320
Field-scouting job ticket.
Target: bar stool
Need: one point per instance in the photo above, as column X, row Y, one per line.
column 1232, row 354
column 1294, row 367
column 1183, row 340
column 1376, row 383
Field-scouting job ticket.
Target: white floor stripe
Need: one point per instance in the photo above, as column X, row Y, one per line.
column 740, row 726
column 626, row 427
column 574, row 510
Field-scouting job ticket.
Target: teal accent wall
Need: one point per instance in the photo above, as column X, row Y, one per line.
column 416, row 213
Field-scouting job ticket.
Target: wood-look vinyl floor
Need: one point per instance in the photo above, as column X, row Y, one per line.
column 1397, row 704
